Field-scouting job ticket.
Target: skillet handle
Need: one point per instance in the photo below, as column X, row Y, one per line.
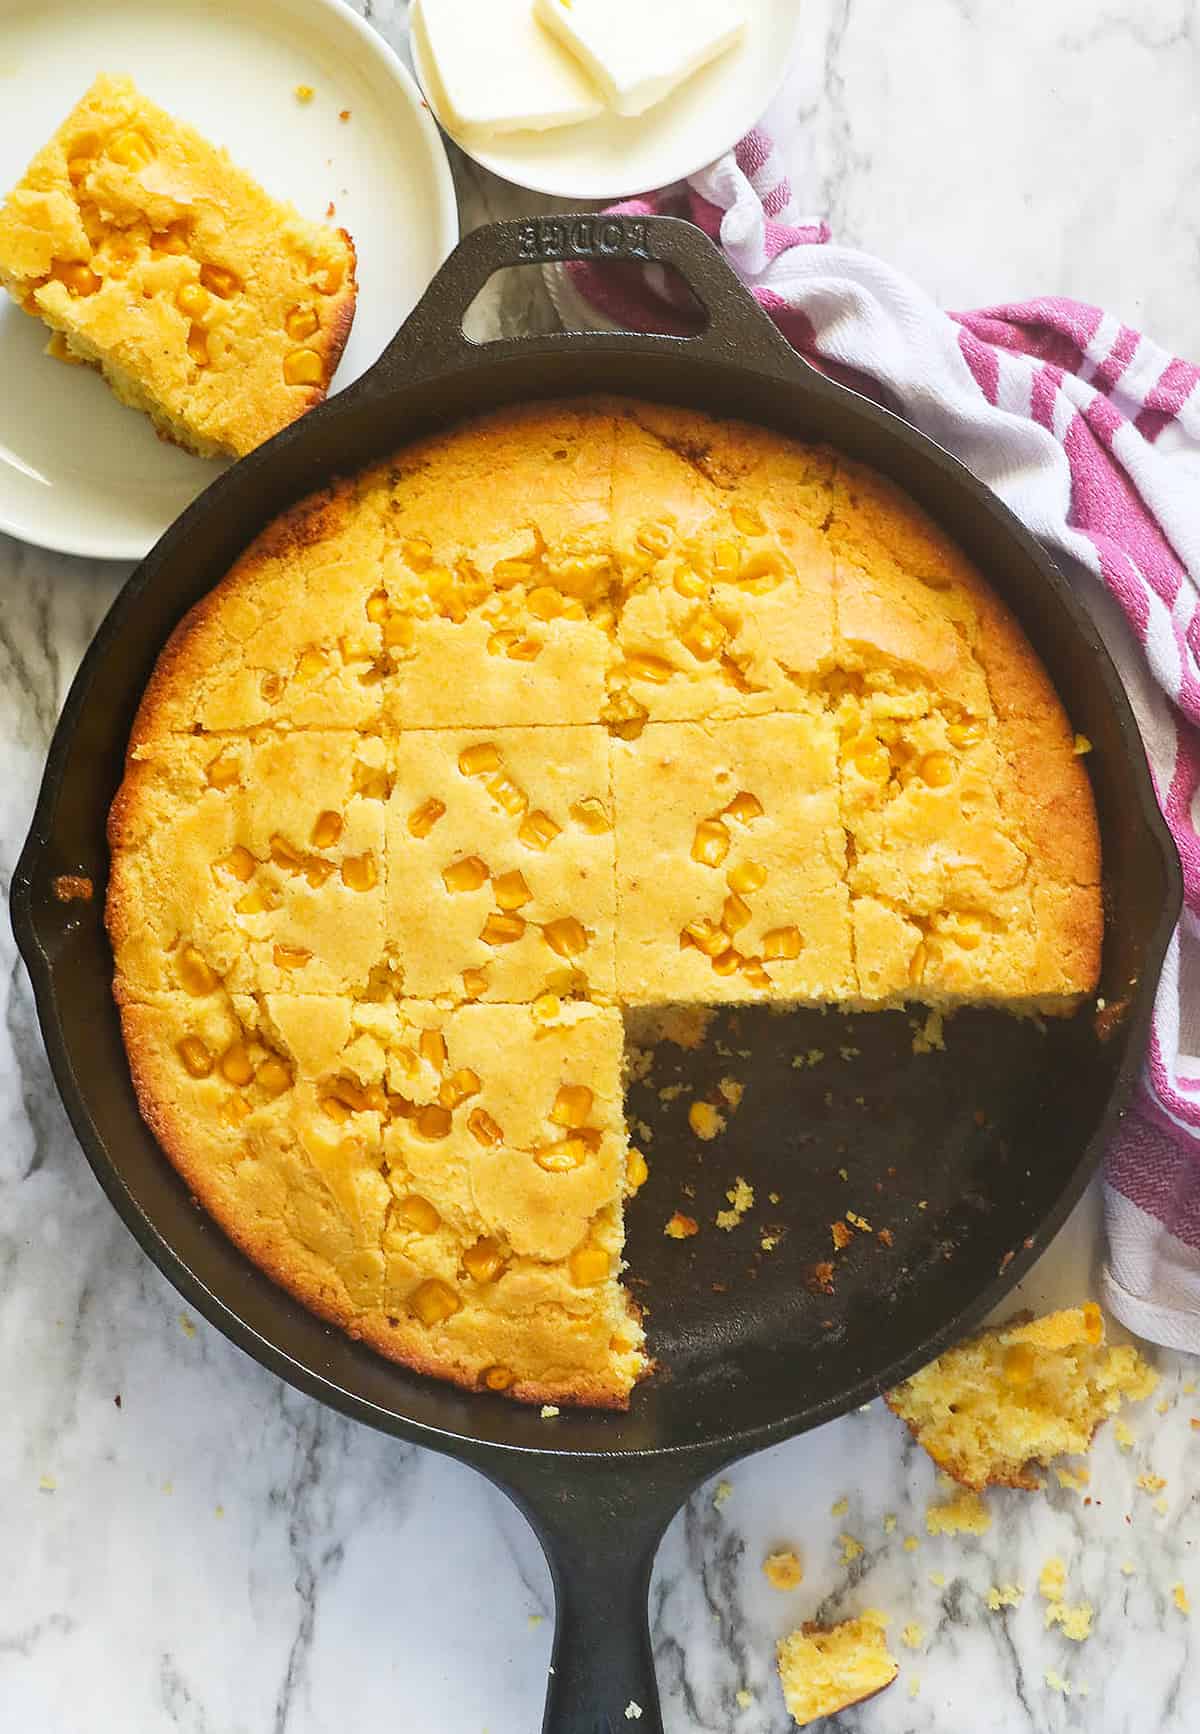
column 432, row 342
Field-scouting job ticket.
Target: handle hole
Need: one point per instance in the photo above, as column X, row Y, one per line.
column 650, row 297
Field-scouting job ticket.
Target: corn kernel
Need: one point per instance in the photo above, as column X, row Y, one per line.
column 432, row 1045
column 475, row 761
column 399, row 632
column 484, row 1261
column 728, row 962
column 572, row 1105
column 511, row 891
column 303, row 367
column 371, row 781
column 327, row 278
column 1019, row 1364
column 222, row 282
column 291, row 956
column 966, row 734
column 689, row 583
column 656, row 538
column 327, row 830
column 274, row 1076
column 937, row 769
column 735, row 914
column 257, row 900
column 637, row 1170
column 222, row 772
column 457, row 1088
column 873, row 763
column 284, row 855
column 917, row 963
column 538, row 830
column 747, row 521
column 355, row 649
column 434, row 1302
column 418, row 1213
column 474, row 982
column 755, row 974
column 377, row 606
column 747, row 877
column 335, row 1109
column 704, row 636
column 706, row 936
column 968, row 933
column 301, row 322
column 545, row 602
column 316, row 871
column 782, row 942
column 588, row 1265
column 524, row 649
column 562, row 1157
column 236, row 1065
column 727, row 559
column 197, row 345
column 506, row 794
column 432, row 1122
column 311, row 663
column 743, row 808
column 271, row 687
column 592, row 815
column 191, row 299
column 77, row 278
column 501, row 929
column 710, row 845
column 173, row 239
column 566, row 936
column 643, row 666
column 422, row 819
column 508, row 572
column 132, row 150
column 483, row 1128
column 468, row 874
column 498, row 1378
column 194, row 974
column 77, row 168
column 235, row 1109
column 239, row 863
column 359, row 872
column 417, row 554
column 195, row 1056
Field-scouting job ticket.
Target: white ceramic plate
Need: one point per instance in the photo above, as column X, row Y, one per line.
column 614, row 155
column 80, row 472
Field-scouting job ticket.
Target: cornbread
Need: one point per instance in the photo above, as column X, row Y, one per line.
column 576, row 710
column 218, row 310
column 824, row 1669
column 1013, row 1397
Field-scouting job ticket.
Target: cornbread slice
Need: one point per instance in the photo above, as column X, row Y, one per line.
column 258, row 862
column 320, row 1132
column 1019, row 1395
column 824, row 1669
column 731, row 862
column 501, row 848
column 219, row 311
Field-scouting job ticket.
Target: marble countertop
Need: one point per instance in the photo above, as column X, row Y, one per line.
column 193, row 1546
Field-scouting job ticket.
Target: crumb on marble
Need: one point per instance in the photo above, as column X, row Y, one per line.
column 47, row 1484
column 783, row 1570
column 965, row 1514
column 304, row 93
column 343, row 114
column 1128, row 1568
column 1123, row 1434
column 1075, row 1479
column 744, row 1698
column 186, row 1325
column 852, row 1548
column 1073, row 1618
column 1160, row 1505
column 1179, row 1596
column 1052, row 1579
column 1004, row 1595
column 914, row 1685
column 535, row 1620
column 889, row 1523
column 840, row 1507
column 912, row 1636
column 721, row 1494
column 218, row 1511
column 1151, row 1483
column 938, row 1579
column 1057, row 1683
column 911, row 1544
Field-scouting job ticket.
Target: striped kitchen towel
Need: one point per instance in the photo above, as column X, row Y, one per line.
column 1091, row 433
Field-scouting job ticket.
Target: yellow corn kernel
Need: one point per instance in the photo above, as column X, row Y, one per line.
column 917, row 963
column 312, row 663
column 510, row 890
column 747, row 877
column 432, row 1122
column 284, row 855
column 728, row 962
column 501, row 929
column 221, row 281
column 508, row 572
column 782, row 942
column 475, row 761
column 710, row 845
column 546, row 1008
column 755, row 974
column 538, row 830
column 195, row 1056
column 173, row 239
column 457, row 1088
column 351, row 1094
column 873, row 763
column 572, row 1105
column 197, row 345
column 328, row 277
column 77, row 168
column 422, row 819
column 474, row 982
column 194, row 974
column 467, row 874
column 236, row 1065
column 545, row 602
column 222, row 772
column 966, row 734
column 1019, row 1364
column 643, row 666
column 937, row 769
column 418, row 1213
column 303, row 367
column 376, row 1099
column 498, row 1378
column 355, row 649
column 637, row 1170
column 434, row 1302
column 689, row 583
column 317, row 871
column 562, row 1157
column 132, row 150
column 335, row 1108
column 239, row 863
column 588, row 1265
column 191, row 299
column 359, row 872
column 417, row 554
column 656, row 538
column 704, row 636
column 727, row 559
column 484, row 1261
column 432, row 1045
column 592, row 815
column 735, row 913
column 566, row 936
column 762, row 570
column 968, row 933
column 1081, row 746
column 399, row 632
column 257, row 901
column 377, row 606
column 483, row 1128
column 291, row 956
column 327, row 830
column 524, row 649
column 235, row 1109
column 371, row 781
column 271, row 687
column 747, row 521
column 300, row 322
column 499, row 642
column 743, row 808
column 706, row 936
column 506, row 794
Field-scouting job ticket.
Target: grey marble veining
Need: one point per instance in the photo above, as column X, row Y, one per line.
column 217, row 1554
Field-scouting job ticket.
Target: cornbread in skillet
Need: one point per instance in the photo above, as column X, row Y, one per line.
column 992, row 1409
column 575, row 707
column 824, row 1669
column 218, row 310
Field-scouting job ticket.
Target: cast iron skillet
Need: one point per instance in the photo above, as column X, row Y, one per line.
column 970, row 1158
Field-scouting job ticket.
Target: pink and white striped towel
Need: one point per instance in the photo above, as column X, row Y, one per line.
column 1091, row 433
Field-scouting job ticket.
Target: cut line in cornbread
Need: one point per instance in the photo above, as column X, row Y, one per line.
column 577, row 710
column 215, row 308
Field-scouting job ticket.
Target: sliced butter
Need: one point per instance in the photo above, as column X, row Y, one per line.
column 638, row 52
column 498, row 70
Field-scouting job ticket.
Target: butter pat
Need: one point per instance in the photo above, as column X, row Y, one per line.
column 499, row 71
column 638, row 51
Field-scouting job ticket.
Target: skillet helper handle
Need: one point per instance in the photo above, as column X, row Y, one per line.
column 432, row 342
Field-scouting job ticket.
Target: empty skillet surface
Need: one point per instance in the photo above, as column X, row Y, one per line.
column 969, row 1158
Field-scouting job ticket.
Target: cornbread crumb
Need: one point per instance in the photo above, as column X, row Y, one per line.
column 47, row 1484
column 741, row 1198
column 680, row 1227
column 911, row 1544
column 826, row 1669
column 1162, row 1408
column 1081, row 745
column 705, row 1120
column 549, row 1411
column 912, row 1635
column 889, row 1523
column 1004, row 1595
column 930, row 1036
column 1160, row 1506
column 769, row 1242
column 842, row 1236
column 1151, row 1483
column 1180, row 1597
column 186, row 1325
column 1052, row 1579
column 783, row 1570
column 1057, row 1683
column 852, row 1548
column 535, row 1620
column 1128, row 1568
column 1074, row 1619
column 744, row 1698
column 1075, row 1479
column 721, row 1494
column 304, row 93
column 1124, row 1435
column 840, row 1508
column 859, row 1222
column 732, row 1091
column 938, row 1579
column 965, row 1514
column 914, row 1685
column 219, row 1511
column 633, row 1711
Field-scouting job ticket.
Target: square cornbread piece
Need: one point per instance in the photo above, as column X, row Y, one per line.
column 824, row 1669
column 320, row 1131
column 500, row 856
column 259, row 863
column 218, row 310
column 731, row 862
